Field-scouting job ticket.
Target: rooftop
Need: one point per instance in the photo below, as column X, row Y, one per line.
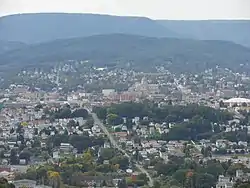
column 237, row 100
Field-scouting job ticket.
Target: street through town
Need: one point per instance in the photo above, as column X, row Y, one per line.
column 115, row 145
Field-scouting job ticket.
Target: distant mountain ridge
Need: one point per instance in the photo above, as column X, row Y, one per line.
column 179, row 55
column 6, row 46
column 44, row 27
column 45, row 38
column 237, row 31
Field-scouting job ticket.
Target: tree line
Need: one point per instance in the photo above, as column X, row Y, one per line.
column 186, row 172
column 191, row 121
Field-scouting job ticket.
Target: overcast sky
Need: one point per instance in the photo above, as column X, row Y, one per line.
column 156, row 9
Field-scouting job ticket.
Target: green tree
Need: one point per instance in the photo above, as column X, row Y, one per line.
column 89, row 123
column 25, row 155
column 143, row 177
column 122, row 161
column 80, row 142
column 35, row 131
column 107, row 153
column 222, row 104
column 214, row 168
column 87, row 157
column 122, row 184
column 205, row 180
column 63, row 113
column 57, row 139
column 45, row 155
column 157, row 184
column 114, row 119
column 4, row 183
column 118, row 129
column 206, row 151
column 101, row 112
column 166, row 169
column 180, row 175
column 234, row 167
column 13, row 157
column 71, row 123
column 80, row 113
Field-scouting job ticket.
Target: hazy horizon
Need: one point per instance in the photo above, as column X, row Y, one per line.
column 103, row 14
column 154, row 9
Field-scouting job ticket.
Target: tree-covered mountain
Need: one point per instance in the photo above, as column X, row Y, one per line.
column 229, row 30
column 8, row 46
column 44, row 27
column 176, row 54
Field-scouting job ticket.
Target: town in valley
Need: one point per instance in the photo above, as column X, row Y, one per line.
column 98, row 101
column 123, row 127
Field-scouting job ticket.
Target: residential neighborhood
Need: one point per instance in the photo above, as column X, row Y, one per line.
column 128, row 136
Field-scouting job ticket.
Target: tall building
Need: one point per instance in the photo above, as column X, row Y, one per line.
column 145, row 88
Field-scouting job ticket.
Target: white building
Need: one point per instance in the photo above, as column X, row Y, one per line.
column 66, row 147
column 237, row 101
column 107, row 92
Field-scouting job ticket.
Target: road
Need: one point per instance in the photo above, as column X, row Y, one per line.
column 110, row 137
column 115, row 145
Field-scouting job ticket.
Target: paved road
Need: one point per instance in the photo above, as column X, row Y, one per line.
column 143, row 170
column 115, row 145
column 105, row 130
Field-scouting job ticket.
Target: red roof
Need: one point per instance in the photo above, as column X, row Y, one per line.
column 121, row 134
column 7, row 169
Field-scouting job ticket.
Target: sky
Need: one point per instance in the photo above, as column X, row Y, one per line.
column 155, row 9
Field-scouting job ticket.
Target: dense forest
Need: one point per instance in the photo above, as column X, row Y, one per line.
column 178, row 55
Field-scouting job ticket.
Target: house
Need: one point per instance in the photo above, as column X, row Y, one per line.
column 96, row 129
column 239, row 173
column 129, row 144
column 106, row 145
column 224, row 182
column 42, row 186
column 56, row 155
column 7, row 175
column 144, row 154
column 242, row 143
column 136, row 120
column 22, row 162
column 205, row 143
column 106, row 162
column 124, row 128
column 11, row 144
column 154, row 144
column 151, row 130
column 221, row 143
column 146, row 161
column 237, row 101
column 121, row 134
column 152, row 151
column 145, row 144
column 43, row 145
column 66, row 147
column 24, row 183
column 5, row 169
column 91, row 181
